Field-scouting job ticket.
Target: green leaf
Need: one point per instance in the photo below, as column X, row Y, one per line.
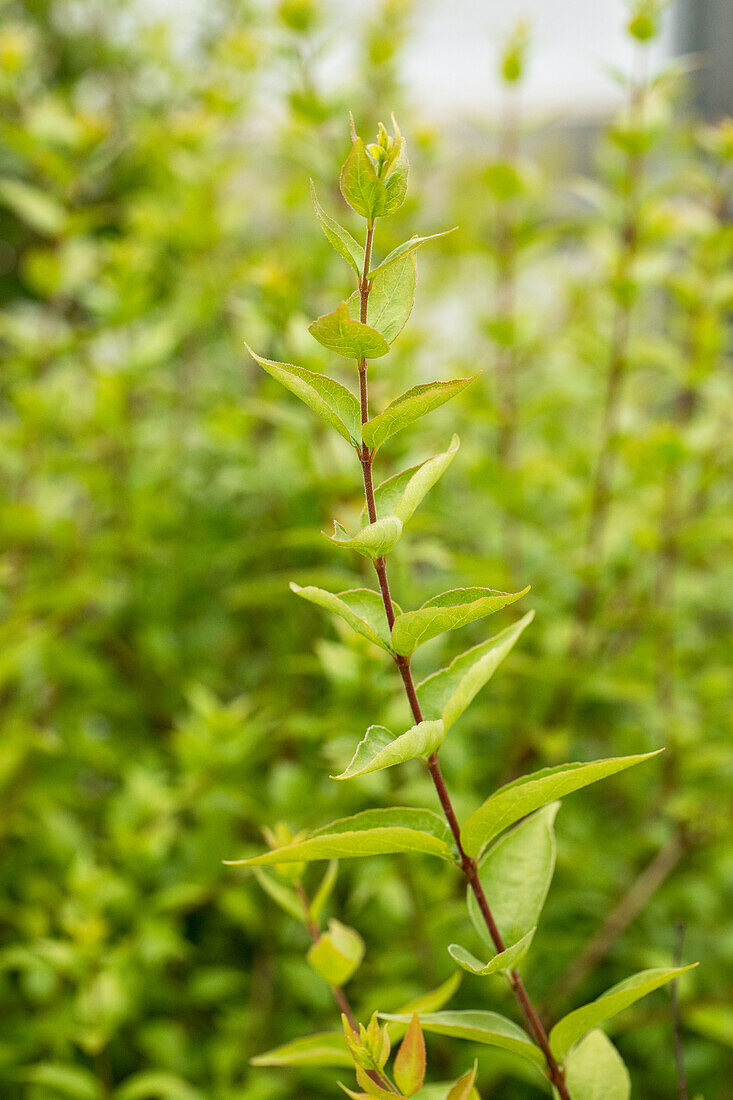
column 371, row 833
column 339, row 237
column 463, row 1088
column 479, row 1027
column 328, row 1048
column 373, row 541
column 595, row 1070
column 332, row 401
column 337, row 332
column 65, row 1080
column 391, row 298
column 395, row 179
column 405, row 249
column 337, row 954
column 37, row 208
column 504, row 960
column 446, row 694
column 575, row 1025
column 281, row 894
column 517, row 799
column 324, row 890
column 360, row 186
column 448, row 611
column 516, row 875
column 380, row 749
column 361, row 608
column 155, row 1085
column 401, row 494
column 409, row 1065
column 410, row 406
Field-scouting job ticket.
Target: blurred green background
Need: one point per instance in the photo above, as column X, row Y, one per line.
column 164, row 696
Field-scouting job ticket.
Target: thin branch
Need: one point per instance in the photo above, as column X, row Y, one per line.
column 468, row 865
column 679, row 1053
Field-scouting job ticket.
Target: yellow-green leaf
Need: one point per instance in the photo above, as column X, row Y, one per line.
column 380, row 749
column 328, row 398
column 447, row 693
column 488, row 1028
column 504, row 960
column 530, row 792
column 337, row 236
column 409, row 1065
column 448, row 611
column 575, row 1025
column 594, row 1070
column 325, row 1049
column 337, row 332
column 337, row 953
column 410, row 406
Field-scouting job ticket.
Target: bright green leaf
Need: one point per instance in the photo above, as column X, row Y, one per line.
column 361, row 608
column 575, row 1025
column 337, row 953
column 463, row 1087
column 371, row 833
column 432, row 1001
column 410, row 406
column 392, row 296
column 38, row 209
column 282, row 895
column 360, row 186
column 324, row 891
column 337, row 332
column 70, row 1081
column 373, row 541
column 395, row 180
column 332, row 401
column 325, row 1049
column 409, row 1065
column 530, row 792
column 448, row 693
column 448, row 611
column 401, row 494
column 479, row 1027
column 504, row 960
column 516, row 875
column 380, row 749
column 339, row 237
column 155, row 1085
column 405, row 248
column 595, row 1070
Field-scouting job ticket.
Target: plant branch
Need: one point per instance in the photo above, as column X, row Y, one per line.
column 468, row 865
column 338, row 993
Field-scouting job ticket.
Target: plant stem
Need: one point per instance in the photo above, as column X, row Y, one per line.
column 338, row 994
column 469, row 867
column 679, row 1053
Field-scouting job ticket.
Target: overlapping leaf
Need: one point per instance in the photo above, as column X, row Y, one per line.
column 391, row 297
column 446, row 694
column 380, row 749
column 328, row 398
column 448, row 611
column 504, row 960
column 594, row 1070
column 339, row 333
column 337, row 236
column 328, row 1048
column 361, row 608
column 401, row 494
column 566, row 1033
column 410, row 406
column 372, row 541
column 373, row 832
column 517, row 799
column 516, row 874
column 405, row 249
column 479, row 1027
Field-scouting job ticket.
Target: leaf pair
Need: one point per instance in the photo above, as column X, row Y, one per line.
column 396, row 501
column 370, row 192
column 362, row 609
column 339, row 408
